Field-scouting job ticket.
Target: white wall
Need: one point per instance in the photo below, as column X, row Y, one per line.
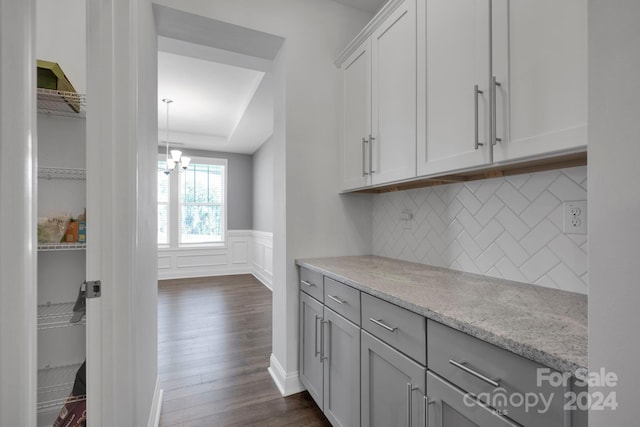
column 503, row 227
column 310, row 218
column 263, row 187
column 61, row 26
column 614, row 203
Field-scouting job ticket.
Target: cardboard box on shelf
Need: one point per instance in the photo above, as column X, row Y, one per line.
column 82, row 232
column 51, row 76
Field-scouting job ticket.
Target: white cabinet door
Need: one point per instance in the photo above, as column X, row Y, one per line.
column 356, row 118
column 453, row 55
column 540, row 60
column 393, row 70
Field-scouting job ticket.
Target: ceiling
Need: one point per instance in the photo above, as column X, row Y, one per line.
column 371, row 6
column 220, row 102
column 210, row 103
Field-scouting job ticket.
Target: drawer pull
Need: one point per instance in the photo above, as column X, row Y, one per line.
column 460, row 365
column 309, row 284
column 383, row 325
column 336, row 299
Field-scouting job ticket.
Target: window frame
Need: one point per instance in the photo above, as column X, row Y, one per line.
column 175, row 206
column 215, row 161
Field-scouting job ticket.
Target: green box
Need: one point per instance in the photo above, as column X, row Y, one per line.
column 51, row 76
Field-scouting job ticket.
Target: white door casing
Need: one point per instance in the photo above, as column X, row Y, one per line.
column 18, row 253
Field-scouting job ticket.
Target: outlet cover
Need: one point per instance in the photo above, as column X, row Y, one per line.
column 575, row 217
column 406, row 217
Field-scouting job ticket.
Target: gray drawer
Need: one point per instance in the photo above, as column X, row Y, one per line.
column 342, row 299
column 311, row 283
column 463, row 360
column 398, row 327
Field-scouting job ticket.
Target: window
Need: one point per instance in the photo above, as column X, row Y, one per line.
column 202, row 197
column 192, row 203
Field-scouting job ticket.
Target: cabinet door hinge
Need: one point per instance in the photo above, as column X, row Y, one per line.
column 93, row 288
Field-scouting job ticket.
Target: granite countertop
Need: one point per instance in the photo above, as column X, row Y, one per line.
column 548, row 326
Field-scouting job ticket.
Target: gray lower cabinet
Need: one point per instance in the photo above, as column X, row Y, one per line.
column 341, row 370
column 311, row 374
column 330, row 361
column 450, row 406
column 392, row 386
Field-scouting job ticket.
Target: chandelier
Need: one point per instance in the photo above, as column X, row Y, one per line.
column 176, row 158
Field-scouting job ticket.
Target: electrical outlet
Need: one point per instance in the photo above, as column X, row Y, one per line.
column 575, row 217
column 406, row 217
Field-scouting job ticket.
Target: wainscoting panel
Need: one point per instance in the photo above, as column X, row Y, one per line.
column 202, row 260
column 246, row 252
column 262, row 259
column 240, row 252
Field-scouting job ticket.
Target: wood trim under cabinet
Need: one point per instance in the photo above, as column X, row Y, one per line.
column 538, row 165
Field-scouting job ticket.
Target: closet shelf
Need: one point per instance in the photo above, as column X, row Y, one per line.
column 55, row 385
column 61, row 173
column 53, row 316
column 59, row 103
column 62, row 246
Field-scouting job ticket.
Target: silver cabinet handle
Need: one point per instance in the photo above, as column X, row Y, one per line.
column 409, row 404
column 476, row 91
column 309, row 284
column 383, row 325
column 321, row 340
column 494, row 117
column 460, row 365
column 426, row 401
column 336, row 299
column 371, row 139
column 324, row 354
column 364, row 156
column 315, row 338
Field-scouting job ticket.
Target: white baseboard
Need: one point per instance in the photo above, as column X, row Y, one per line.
column 203, row 273
column 156, row 405
column 288, row 384
column 263, row 279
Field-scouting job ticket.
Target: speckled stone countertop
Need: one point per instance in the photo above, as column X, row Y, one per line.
column 545, row 325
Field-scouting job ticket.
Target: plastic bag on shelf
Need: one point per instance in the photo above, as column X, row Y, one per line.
column 52, row 230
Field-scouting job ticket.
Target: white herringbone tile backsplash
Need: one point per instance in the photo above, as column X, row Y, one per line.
column 503, row 227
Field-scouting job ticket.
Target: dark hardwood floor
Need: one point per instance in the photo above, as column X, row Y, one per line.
column 214, row 343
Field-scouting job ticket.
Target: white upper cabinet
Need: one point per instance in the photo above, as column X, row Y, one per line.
column 540, row 59
column 378, row 106
column 453, row 85
column 393, row 121
column 356, row 118
column 438, row 87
